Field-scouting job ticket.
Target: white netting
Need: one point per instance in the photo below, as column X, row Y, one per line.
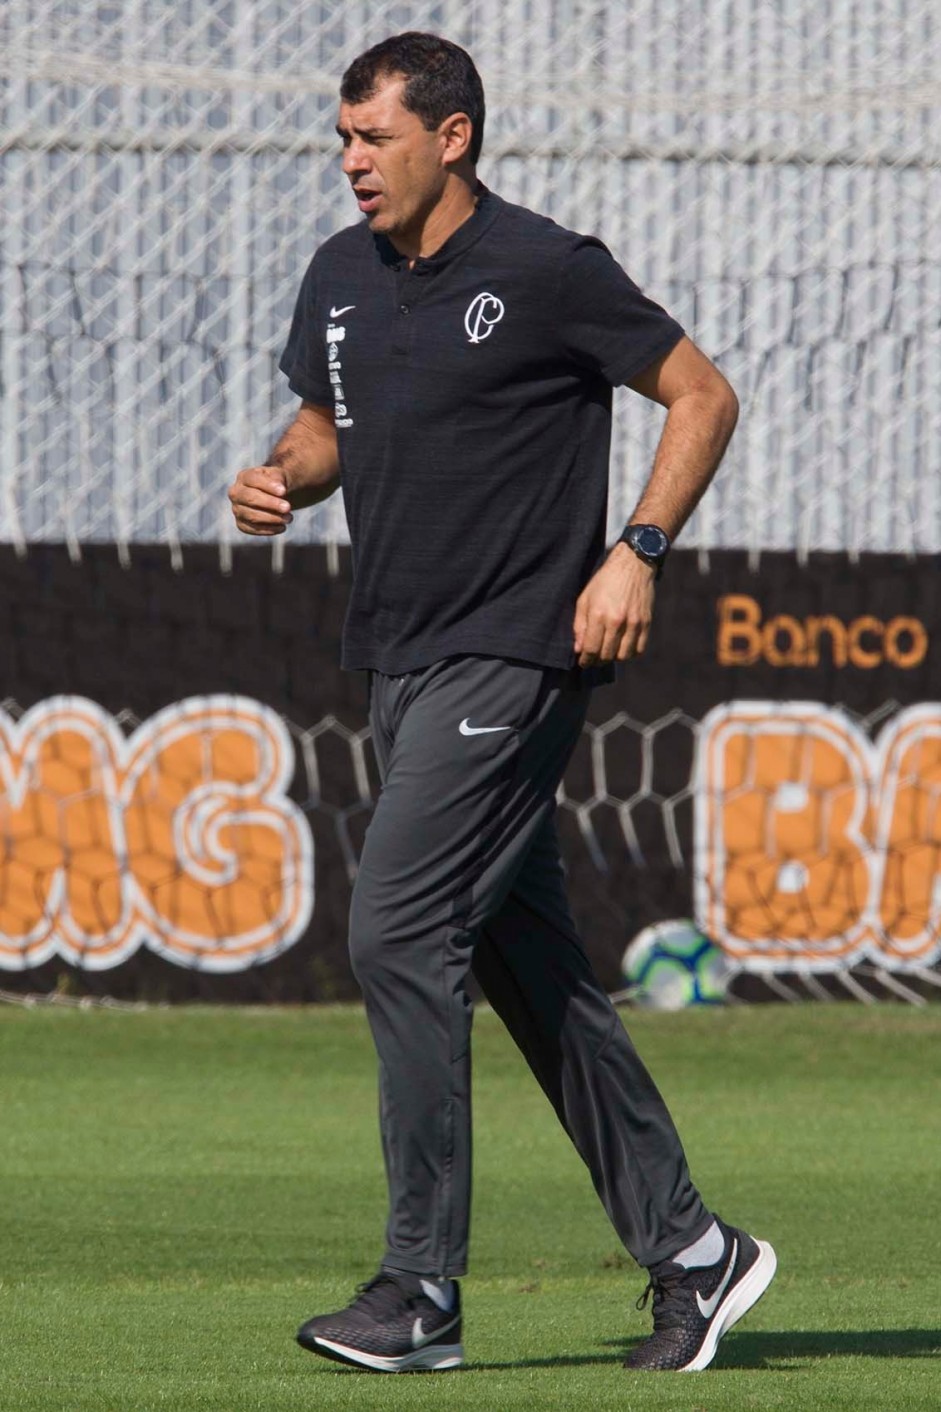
column 158, row 851
column 770, row 169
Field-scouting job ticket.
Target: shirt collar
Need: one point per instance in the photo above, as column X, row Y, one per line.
column 467, row 234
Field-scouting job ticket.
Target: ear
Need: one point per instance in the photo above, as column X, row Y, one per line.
column 456, row 133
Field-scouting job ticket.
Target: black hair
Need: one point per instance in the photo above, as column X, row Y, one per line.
column 440, row 79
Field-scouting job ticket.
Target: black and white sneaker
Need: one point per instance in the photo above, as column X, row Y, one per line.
column 692, row 1309
column 396, row 1324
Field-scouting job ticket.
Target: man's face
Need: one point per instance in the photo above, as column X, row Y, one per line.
column 394, row 164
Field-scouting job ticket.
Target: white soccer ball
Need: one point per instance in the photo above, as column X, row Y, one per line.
column 671, row 965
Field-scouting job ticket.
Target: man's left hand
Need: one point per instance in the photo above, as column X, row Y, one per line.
column 614, row 610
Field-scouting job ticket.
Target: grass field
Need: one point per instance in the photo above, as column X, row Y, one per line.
column 181, row 1188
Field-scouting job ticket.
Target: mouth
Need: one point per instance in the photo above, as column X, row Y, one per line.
column 366, row 199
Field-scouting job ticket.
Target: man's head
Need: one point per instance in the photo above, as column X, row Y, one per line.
column 411, row 118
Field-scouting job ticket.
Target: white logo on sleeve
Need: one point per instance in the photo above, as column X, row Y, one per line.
column 483, row 312
column 335, row 336
column 467, row 729
column 707, row 1307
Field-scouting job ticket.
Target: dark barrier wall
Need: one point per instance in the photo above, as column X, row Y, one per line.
column 186, row 773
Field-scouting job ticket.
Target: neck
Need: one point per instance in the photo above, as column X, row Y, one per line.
column 455, row 205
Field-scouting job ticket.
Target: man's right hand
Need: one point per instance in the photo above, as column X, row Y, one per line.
column 259, row 501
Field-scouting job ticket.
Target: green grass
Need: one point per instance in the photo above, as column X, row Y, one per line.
column 181, row 1188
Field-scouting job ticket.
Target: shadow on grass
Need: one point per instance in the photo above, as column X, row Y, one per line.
column 760, row 1350
column 756, row 1351
column 571, row 1360
column 747, row 1350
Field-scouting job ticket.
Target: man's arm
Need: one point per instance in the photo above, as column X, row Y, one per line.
column 302, row 470
column 613, row 612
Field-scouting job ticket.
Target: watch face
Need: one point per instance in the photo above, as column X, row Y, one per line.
column 651, row 541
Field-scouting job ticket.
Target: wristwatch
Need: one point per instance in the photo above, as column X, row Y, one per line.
column 649, row 543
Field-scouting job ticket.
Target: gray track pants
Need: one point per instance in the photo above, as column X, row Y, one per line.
column 460, row 869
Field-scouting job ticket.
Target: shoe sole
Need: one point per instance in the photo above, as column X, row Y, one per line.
column 435, row 1358
column 745, row 1293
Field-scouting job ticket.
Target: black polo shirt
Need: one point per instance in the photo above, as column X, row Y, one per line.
column 472, row 397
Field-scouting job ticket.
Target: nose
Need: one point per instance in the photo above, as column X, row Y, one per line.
column 355, row 159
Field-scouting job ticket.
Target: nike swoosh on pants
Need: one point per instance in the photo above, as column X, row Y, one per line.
column 467, row 729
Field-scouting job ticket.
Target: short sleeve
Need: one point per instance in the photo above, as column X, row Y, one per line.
column 304, row 360
column 608, row 324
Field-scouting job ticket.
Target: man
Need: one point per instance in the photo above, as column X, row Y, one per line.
column 455, row 357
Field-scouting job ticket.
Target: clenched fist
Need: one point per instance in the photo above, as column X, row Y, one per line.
column 259, row 501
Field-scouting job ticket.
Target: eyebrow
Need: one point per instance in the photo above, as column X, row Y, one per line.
column 363, row 131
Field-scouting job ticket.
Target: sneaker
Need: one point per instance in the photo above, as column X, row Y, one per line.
column 394, row 1325
column 692, row 1309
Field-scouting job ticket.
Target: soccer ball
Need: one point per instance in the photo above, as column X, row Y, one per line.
column 670, row 965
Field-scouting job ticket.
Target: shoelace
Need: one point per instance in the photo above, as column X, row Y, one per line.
column 380, row 1293
column 667, row 1310
column 375, row 1294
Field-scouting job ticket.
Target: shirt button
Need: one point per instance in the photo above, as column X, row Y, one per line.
column 404, row 308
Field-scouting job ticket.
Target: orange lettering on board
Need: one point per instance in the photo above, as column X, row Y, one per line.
column 782, row 833
column 744, row 638
column 59, row 869
column 739, row 640
column 908, row 837
column 180, row 838
column 815, row 848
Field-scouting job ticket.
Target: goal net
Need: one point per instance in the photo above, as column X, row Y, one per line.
column 768, row 169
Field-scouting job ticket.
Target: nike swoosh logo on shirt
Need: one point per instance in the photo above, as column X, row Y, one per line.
column 467, row 729
column 335, row 313
column 707, row 1307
